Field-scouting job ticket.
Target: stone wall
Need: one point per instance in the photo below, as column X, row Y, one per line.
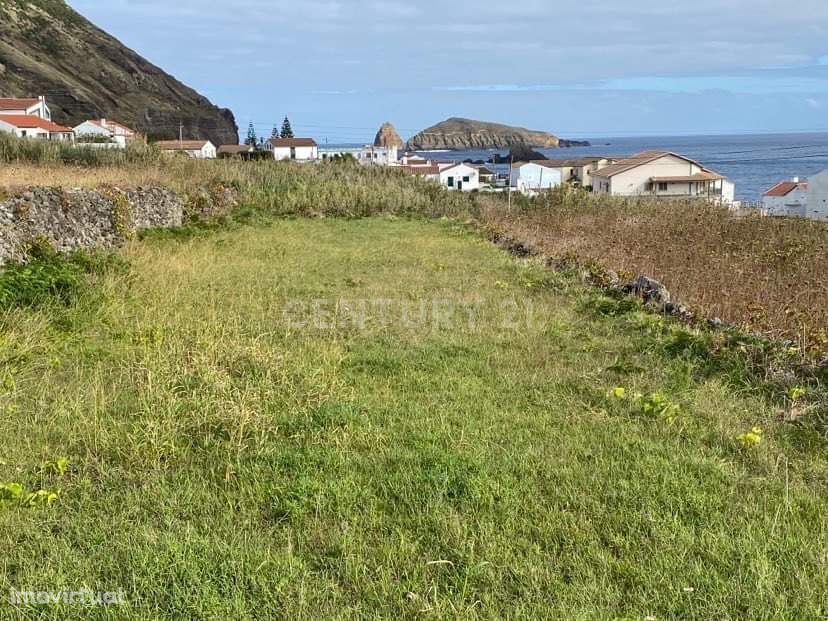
column 76, row 218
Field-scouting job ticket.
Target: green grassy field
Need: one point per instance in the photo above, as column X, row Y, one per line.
column 389, row 418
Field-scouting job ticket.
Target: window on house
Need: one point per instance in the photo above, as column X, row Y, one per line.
column 450, row 182
column 662, row 187
column 293, row 153
column 466, row 179
column 649, row 186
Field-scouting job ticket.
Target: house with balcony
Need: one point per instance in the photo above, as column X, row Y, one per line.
column 25, row 126
column 662, row 174
column 26, row 106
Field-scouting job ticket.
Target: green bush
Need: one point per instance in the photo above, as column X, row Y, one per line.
column 48, row 276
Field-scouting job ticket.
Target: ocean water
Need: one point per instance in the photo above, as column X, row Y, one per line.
column 753, row 162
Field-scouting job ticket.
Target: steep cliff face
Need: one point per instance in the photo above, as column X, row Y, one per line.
column 456, row 133
column 387, row 136
column 46, row 48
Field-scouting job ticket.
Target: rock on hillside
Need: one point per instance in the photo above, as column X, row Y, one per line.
column 46, row 48
column 456, row 133
column 387, row 136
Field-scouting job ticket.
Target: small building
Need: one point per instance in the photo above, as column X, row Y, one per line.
column 378, row 156
column 198, row 149
column 410, row 159
column 106, row 128
column 786, row 198
column 817, row 199
column 535, row 176
column 459, row 177
column 24, row 126
column 578, row 172
column 297, row 149
column 428, row 171
column 662, row 174
column 487, row 176
column 26, row 106
column 240, row 151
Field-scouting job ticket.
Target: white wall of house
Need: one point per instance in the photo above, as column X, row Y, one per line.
column 88, row 128
column 635, row 182
column 460, row 177
column 300, row 154
column 207, row 152
column 378, row 156
column 20, row 132
column 532, row 177
column 817, row 200
column 792, row 205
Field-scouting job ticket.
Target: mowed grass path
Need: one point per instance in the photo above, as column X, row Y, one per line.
column 228, row 462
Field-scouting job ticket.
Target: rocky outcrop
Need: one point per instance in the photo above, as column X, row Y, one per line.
column 465, row 134
column 46, row 48
column 387, row 136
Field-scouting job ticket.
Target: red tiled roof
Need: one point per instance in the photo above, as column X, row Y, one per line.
column 432, row 169
column 292, row 142
column 25, row 121
column 14, row 103
column 111, row 124
column 783, row 188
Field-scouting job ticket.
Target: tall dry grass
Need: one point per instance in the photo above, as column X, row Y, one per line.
column 767, row 274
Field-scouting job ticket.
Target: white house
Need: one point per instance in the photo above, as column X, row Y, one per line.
column 24, row 126
column 378, row 156
column 662, row 174
column 28, row 106
column 578, row 172
column 786, row 198
column 120, row 134
column 817, row 200
column 530, row 177
column 298, row 149
column 460, row 177
column 198, row 149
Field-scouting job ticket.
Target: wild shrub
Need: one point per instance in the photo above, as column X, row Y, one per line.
column 47, row 276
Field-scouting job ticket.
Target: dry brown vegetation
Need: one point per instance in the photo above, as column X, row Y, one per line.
column 768, row 274
column 763, row 273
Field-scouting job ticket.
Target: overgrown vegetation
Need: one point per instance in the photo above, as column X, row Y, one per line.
column 47, row 277
column 759, row 273
column 238, row 441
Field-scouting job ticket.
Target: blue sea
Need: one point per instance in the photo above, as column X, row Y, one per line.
column 753, row 162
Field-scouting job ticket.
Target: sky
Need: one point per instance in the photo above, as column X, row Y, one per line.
column 594, row 68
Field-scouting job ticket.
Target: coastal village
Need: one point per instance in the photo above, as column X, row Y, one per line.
column 657, row 174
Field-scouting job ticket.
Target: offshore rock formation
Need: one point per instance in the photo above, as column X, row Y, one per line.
column 465, row 134
column 387, row 136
